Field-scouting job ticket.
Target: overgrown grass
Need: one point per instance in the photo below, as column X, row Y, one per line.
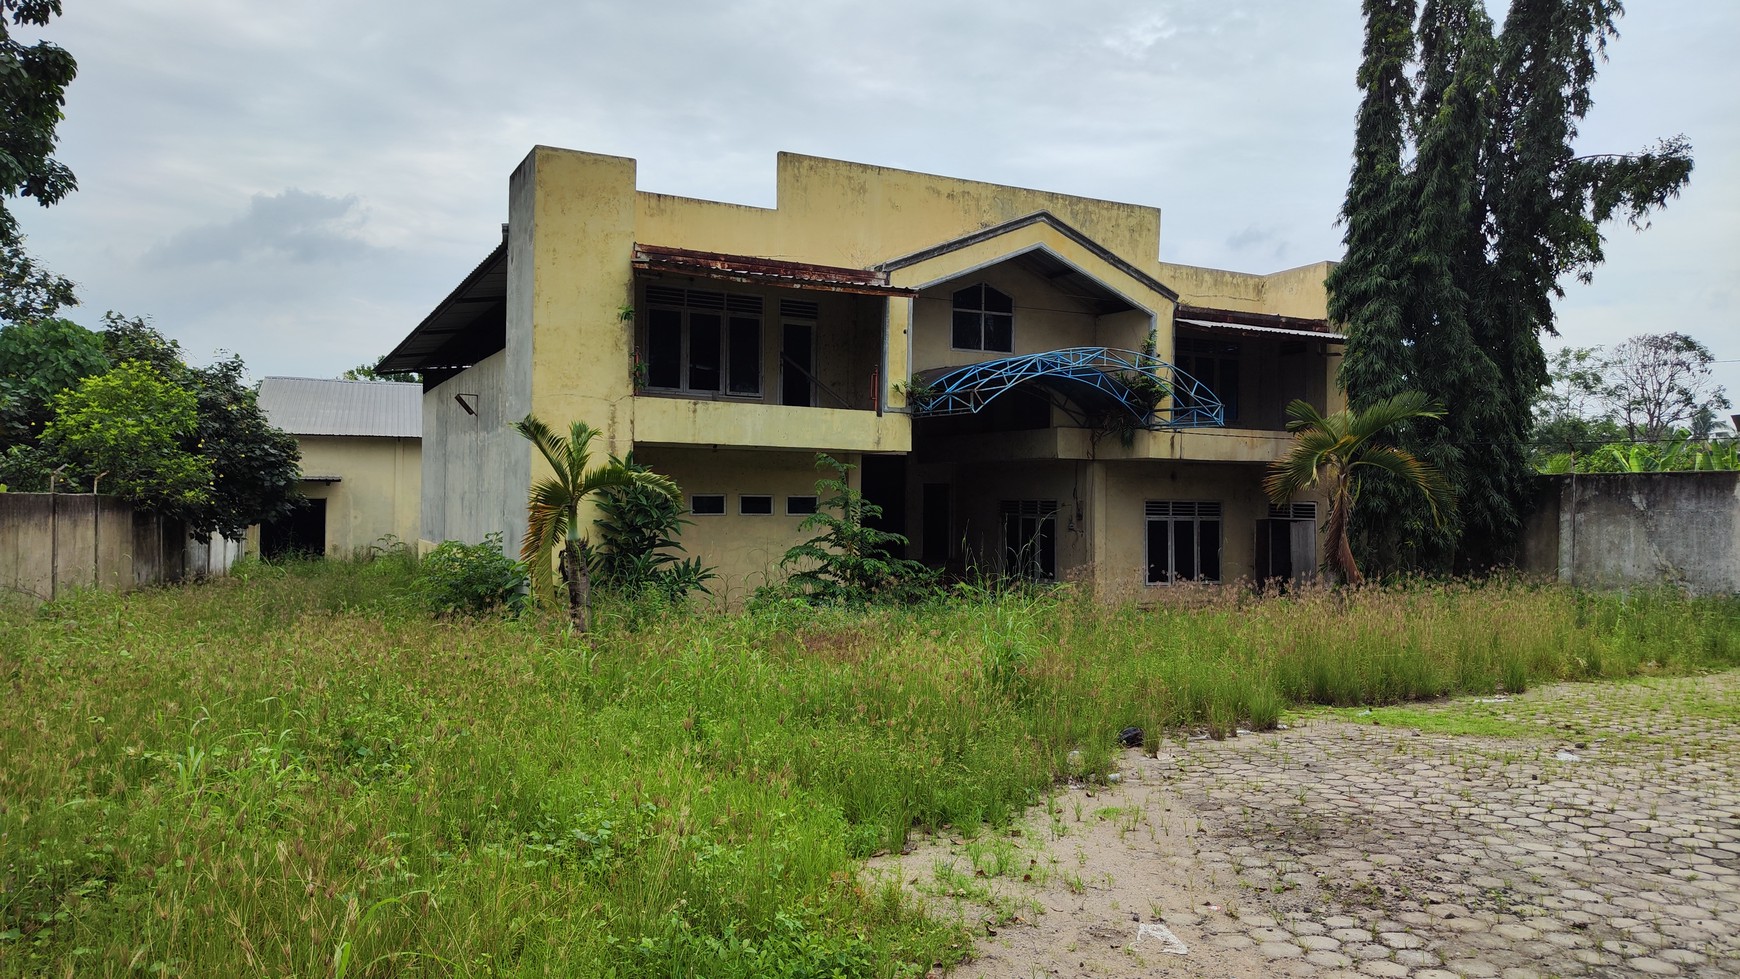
column 294, row 772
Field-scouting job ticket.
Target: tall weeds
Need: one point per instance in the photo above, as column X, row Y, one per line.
column 297, row 772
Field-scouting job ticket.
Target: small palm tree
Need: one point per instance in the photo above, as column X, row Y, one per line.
column 553, row 509
column 1333, row 448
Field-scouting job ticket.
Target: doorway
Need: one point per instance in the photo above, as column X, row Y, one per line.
column 797, row 366
column 301, row 533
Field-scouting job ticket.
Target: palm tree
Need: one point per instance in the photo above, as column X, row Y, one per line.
column 553, row 509
column 1333, row 448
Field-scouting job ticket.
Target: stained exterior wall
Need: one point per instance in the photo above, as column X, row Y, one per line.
column 475, row 470
column 51, row 543
column 575, row 311
column 1629, row 529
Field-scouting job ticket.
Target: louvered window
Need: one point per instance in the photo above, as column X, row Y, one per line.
column 1183, row 540
column 799, row 309
column 703, row 341
column 1293, row 511
column 1030, row 539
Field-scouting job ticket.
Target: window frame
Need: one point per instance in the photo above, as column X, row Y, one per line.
column 733, row 313
column 1043, row 516
column 982, row 311
column 1176, row 513
column 743, row 504
column 814, row 505
column 698, row 512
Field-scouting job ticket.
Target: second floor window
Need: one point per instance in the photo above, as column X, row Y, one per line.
column 703, row 342
column 984, row 320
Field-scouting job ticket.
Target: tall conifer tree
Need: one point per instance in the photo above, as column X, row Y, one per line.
column 1487, row 208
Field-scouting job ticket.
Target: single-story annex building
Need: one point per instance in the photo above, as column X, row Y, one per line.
column 1023, row 385
column 362, row 467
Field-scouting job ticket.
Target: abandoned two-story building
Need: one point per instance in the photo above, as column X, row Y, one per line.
column 1024, row 387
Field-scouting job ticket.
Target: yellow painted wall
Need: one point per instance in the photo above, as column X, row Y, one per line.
column 746, row 549
column 378, row 494
column 574, row 218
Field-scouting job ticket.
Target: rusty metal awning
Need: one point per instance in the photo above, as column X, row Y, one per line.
column 653, row 260
column 1256, row 324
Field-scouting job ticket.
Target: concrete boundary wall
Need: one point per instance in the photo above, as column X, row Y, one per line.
column 1617, row 530
column 54, row 542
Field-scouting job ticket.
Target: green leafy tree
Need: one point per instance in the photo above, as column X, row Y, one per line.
column 553, row 509
column 1337, row 451
column 255, row 467
column 848, row 562
column 33, row 81
column 38, row 359
column 27, row 290
column 1466, row 206
column 638, row 526
column 126, row 430
column 371, row 372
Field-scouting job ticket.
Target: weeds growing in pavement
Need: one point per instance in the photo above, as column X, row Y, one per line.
column 297, row 771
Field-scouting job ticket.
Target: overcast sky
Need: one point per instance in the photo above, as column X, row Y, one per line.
column 300, row 183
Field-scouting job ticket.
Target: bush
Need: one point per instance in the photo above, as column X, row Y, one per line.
column 848, row 563
column 638, row 531
column 471, row 579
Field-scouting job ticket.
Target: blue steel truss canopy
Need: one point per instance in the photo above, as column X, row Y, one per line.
column 1152, row 392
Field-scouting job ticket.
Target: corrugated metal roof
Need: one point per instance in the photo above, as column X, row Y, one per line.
column 1264, row 330
column 770, row 271
column 314, row 406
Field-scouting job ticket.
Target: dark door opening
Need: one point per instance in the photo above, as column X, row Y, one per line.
column 796, row 365
column 1286, row 550
column 301, row 533
column 884, row 483
column 938, row 523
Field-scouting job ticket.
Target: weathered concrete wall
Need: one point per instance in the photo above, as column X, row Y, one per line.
column 475, row 469
column 52, row 542
column 1625, row 529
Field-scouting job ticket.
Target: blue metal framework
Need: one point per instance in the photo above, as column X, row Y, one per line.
column 1153, row 392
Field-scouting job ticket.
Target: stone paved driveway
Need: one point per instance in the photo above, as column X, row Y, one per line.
column 1583, row 830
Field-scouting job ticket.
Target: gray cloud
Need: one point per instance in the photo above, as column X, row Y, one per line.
column 294, row 224
column 1236, row 120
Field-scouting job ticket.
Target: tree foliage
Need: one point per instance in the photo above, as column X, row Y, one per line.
column 553, row 509
column 126, row 431
column 638, row 527
column 251, row 466
column 1337, row 450
column 33, row 81
column 1466, row 207
column 38, row 359
column 1659, row 382
column 848, row 562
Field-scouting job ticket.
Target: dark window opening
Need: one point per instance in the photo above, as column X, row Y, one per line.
column 1216, row 364
column 1183, row 541
column 703, row 342
column 755, row 506
column 707, row 504
column 800, row 506
column 984, row 319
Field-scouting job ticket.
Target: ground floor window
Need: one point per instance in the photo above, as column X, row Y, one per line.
column 1183, row 541
column 1030, row 539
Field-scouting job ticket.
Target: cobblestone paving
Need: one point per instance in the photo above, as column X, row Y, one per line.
column 1598, row 836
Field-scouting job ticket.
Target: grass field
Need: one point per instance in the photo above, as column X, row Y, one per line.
column 296, row 772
